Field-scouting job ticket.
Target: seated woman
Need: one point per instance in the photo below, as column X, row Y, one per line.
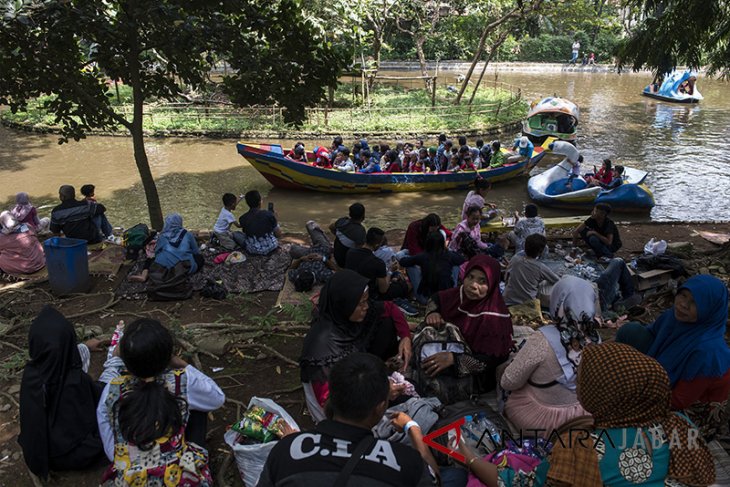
column 152, row 420
column 602, row 176
column 468, row 233
column 439, row 267
column 348, row 321
column 20, row 250
column 478, row 310
column 175, row 244
column 298, row 153
column 58, row 398
column 25, row 212
column 542, row 377
column 634, row 438
column 689, row 341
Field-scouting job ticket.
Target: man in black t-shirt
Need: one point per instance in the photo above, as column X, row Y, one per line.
column 75, row 218
column 259, row 227
column 359, row 390
column 599, row 232
column 363, row 261
column 349, row 233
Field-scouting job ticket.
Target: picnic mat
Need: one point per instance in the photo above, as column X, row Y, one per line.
column 288, row 295
column 38, row 276
column 257, row 273
column 105, row 259
column 715, row 237
column 722, row 464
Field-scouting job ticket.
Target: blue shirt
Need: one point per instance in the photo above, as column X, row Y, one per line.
column 168, row 255
column 527, row 150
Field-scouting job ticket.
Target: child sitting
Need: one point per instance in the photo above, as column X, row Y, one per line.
column 101, row 221
column 618, row 178
column 498, row 158
column 370, row 164
column 454, row 163
column 343, row 162
column 322, row 158
column 149, row 249
column 467, row 164
column 298, row 153
column 222, row 229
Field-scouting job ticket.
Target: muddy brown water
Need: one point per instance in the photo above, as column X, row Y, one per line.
column 684, row 148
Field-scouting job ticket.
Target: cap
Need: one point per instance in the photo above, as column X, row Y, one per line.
column 523, row 142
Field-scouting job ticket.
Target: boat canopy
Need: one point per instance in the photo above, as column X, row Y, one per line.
column 554, row 105
column 673, row 80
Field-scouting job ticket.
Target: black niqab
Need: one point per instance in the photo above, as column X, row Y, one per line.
column 57, row 398
column 332, row 335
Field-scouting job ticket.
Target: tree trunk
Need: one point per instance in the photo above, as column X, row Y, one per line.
column 487, row 60
column 377, row 47
column 143, row 165
column 420, row 40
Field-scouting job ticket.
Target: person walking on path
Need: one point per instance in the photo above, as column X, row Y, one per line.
column 576, row 49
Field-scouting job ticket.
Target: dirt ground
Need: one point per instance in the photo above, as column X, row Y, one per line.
column 263, row 343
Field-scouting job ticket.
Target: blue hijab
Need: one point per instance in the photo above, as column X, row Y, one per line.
column 690, row 350
column 173, row 230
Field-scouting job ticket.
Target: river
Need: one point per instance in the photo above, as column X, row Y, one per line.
column 683, row 147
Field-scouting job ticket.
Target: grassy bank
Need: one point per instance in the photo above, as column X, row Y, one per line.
column 391, row 109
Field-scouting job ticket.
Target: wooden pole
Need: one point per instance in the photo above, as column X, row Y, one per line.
column 433, row 92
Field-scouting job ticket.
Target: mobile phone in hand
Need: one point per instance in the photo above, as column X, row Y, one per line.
column 271, row 206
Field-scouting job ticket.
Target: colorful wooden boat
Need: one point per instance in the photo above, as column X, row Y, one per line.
column 676, row 88
column 549, row 188
column 270, row 161
column 552, row 117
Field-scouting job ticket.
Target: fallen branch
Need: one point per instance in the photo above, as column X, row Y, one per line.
column 271, row 350
column 189, row 347
column 11, row 345
column 108, row 305
column 290, row 326
column 10, row 398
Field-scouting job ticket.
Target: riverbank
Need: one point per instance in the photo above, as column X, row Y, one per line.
column 257, row 345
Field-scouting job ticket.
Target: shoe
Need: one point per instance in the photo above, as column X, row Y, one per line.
column 626, row 304
column 406, row 307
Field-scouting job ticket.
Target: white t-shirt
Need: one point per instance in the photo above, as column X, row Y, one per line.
column 223, row 224
column 576, row 46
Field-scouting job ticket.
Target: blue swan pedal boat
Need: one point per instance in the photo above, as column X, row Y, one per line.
column 676, row 88
column 549, row 188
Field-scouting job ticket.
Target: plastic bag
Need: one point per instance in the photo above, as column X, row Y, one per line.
column 250, row 459
column 653, row 247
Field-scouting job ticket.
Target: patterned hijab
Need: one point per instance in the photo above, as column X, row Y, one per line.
column 485, row 323
column 689, row 350
column 621, row 388
column 22, row 206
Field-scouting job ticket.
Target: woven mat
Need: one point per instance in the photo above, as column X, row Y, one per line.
column 106, row 259
column 722, row 464
column 38, row 276
column 288, row 295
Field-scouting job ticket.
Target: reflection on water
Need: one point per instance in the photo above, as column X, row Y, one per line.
column 682, row 147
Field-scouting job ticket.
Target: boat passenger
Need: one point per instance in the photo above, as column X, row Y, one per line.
column 348, row 321
column 337, row 146
column 396, row 165
column 476, row 196
column 627, row 395
column 423, row 161
column 618, row 178
column 58, row 398
column 541, row 379
column 343, row 162
column 298, row 153
column 526, row 275
column 322, row 158
column 601, row 176
column 260, row 227
column 467, row 163
column 498, row 158
column 599, row 232
column 525, row 226
column 524, row 147
column 688, row 341
column 438, row 266
column 175, row 244
column 349, row 232
column 20, row 250
column 485, row 153
column 454, row 163
column 443, row 155
column 478, row 310
column 153, row 419
column 365, row 159
column 76, row 218
column 370, row 164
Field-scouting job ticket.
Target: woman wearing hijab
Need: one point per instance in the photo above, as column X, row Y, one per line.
column 636, row 440
column 20, row 250
column 175, row 244
column 689, row 341
column 542, row 377
column 58, row 399
column 24, row 211
column 348, row 321
column 478, row 310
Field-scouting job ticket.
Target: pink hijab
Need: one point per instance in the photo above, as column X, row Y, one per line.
column 22, row 207
column 485, row 323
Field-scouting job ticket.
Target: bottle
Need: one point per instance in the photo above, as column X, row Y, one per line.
column 492, row 431
column 116, row 337
column 469, row 432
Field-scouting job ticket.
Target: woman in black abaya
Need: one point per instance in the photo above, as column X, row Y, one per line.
column 58, row 428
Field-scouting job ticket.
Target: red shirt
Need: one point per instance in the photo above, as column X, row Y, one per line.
column 701, row 389
column 411, row 240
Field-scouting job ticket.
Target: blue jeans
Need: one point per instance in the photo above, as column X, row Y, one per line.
column 102, row 223
column 600, row 248
column 574, row 58
column 615, row 278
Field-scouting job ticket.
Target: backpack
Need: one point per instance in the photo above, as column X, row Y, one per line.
column 169, row 284
column 135, row 239
column 213, row 290
column 447, row 386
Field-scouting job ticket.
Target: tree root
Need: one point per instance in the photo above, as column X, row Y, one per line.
column 285, row 391
column 289, row 326
column 114, row 300
column 270, row 350
column 10, row 398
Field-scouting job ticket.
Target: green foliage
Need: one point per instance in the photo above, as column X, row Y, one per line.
column 673, row 32
column 554, row 48
column 265, row 321
column 11, row 366
column 299, row 313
